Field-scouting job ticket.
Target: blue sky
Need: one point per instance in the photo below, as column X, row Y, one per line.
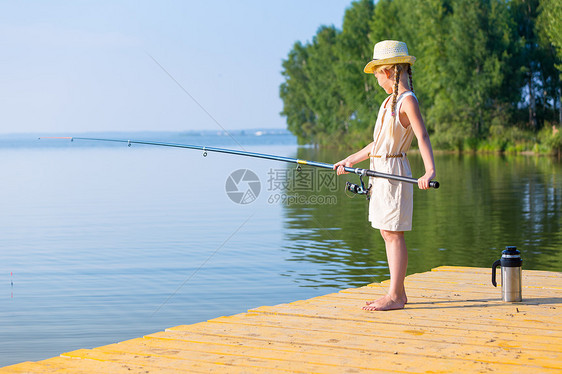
column 73, row 66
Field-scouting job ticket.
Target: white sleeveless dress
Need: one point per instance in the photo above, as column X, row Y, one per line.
column 391, row 204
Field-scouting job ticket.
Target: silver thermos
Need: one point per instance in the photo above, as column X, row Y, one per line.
column 511, row 274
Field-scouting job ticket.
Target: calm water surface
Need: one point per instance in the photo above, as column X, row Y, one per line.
column 102, row 243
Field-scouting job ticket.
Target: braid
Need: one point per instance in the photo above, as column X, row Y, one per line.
column 410, row 75
column 397, row 69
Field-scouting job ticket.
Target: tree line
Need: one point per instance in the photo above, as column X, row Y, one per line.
column 487, row 74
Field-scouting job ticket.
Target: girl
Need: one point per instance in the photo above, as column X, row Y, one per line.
column 391, row 203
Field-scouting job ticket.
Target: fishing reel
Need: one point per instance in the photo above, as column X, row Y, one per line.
column 358, row 189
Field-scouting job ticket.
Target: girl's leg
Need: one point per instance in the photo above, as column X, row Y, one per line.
column 397, row 256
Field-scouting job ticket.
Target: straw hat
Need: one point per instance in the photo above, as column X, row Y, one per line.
column 389, row 52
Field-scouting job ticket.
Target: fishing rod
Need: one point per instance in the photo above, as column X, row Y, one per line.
column 358, row 189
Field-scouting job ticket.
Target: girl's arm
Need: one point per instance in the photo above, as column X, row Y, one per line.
column 353, row 159
column 411, row 110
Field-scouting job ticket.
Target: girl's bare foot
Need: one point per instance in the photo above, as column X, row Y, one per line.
column 373, row 302
column 386, row 303
column 368, row 303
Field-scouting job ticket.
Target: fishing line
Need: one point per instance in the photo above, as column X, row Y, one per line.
column 202, row 264
column 193, row 98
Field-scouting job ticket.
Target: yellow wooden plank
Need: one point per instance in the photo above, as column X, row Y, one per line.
column 168, row 361
column 428, row 291
column 439, row 334
column 18, row 368
column 488, row 270
column 461, row 269
column 455, row 326
column 408, row 347
column 246, row 355
column 415, row 295
column 481, row 284
column 390, row 362
column 550, row 302
column 405, row 317
column 222, row 356
column 491, row 309
column 62, row 365
column 545, row 313
column 451, row 287
column 512, row 314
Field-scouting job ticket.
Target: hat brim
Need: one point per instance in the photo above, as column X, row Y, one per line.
column 370, row 67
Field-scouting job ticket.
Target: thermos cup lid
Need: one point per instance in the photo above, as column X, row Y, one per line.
column 511, row 257
column 511, row 252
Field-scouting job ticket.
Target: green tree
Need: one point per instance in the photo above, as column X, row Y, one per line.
column 325, row 97
column 428, row 34
column 469, row 67
column 294, row 92
column 541, row 84
column 550, row 22
column 524, row 13
column 354, row 51
column 549, row 25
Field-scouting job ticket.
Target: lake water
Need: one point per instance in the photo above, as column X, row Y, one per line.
column 101, row 243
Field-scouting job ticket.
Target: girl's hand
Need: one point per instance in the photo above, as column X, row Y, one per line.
column 339, row 166
column 423, row 182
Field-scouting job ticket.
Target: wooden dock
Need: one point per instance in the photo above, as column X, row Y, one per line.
column 455, row 321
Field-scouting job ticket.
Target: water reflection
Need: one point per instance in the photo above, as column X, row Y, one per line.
column 484, row 203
